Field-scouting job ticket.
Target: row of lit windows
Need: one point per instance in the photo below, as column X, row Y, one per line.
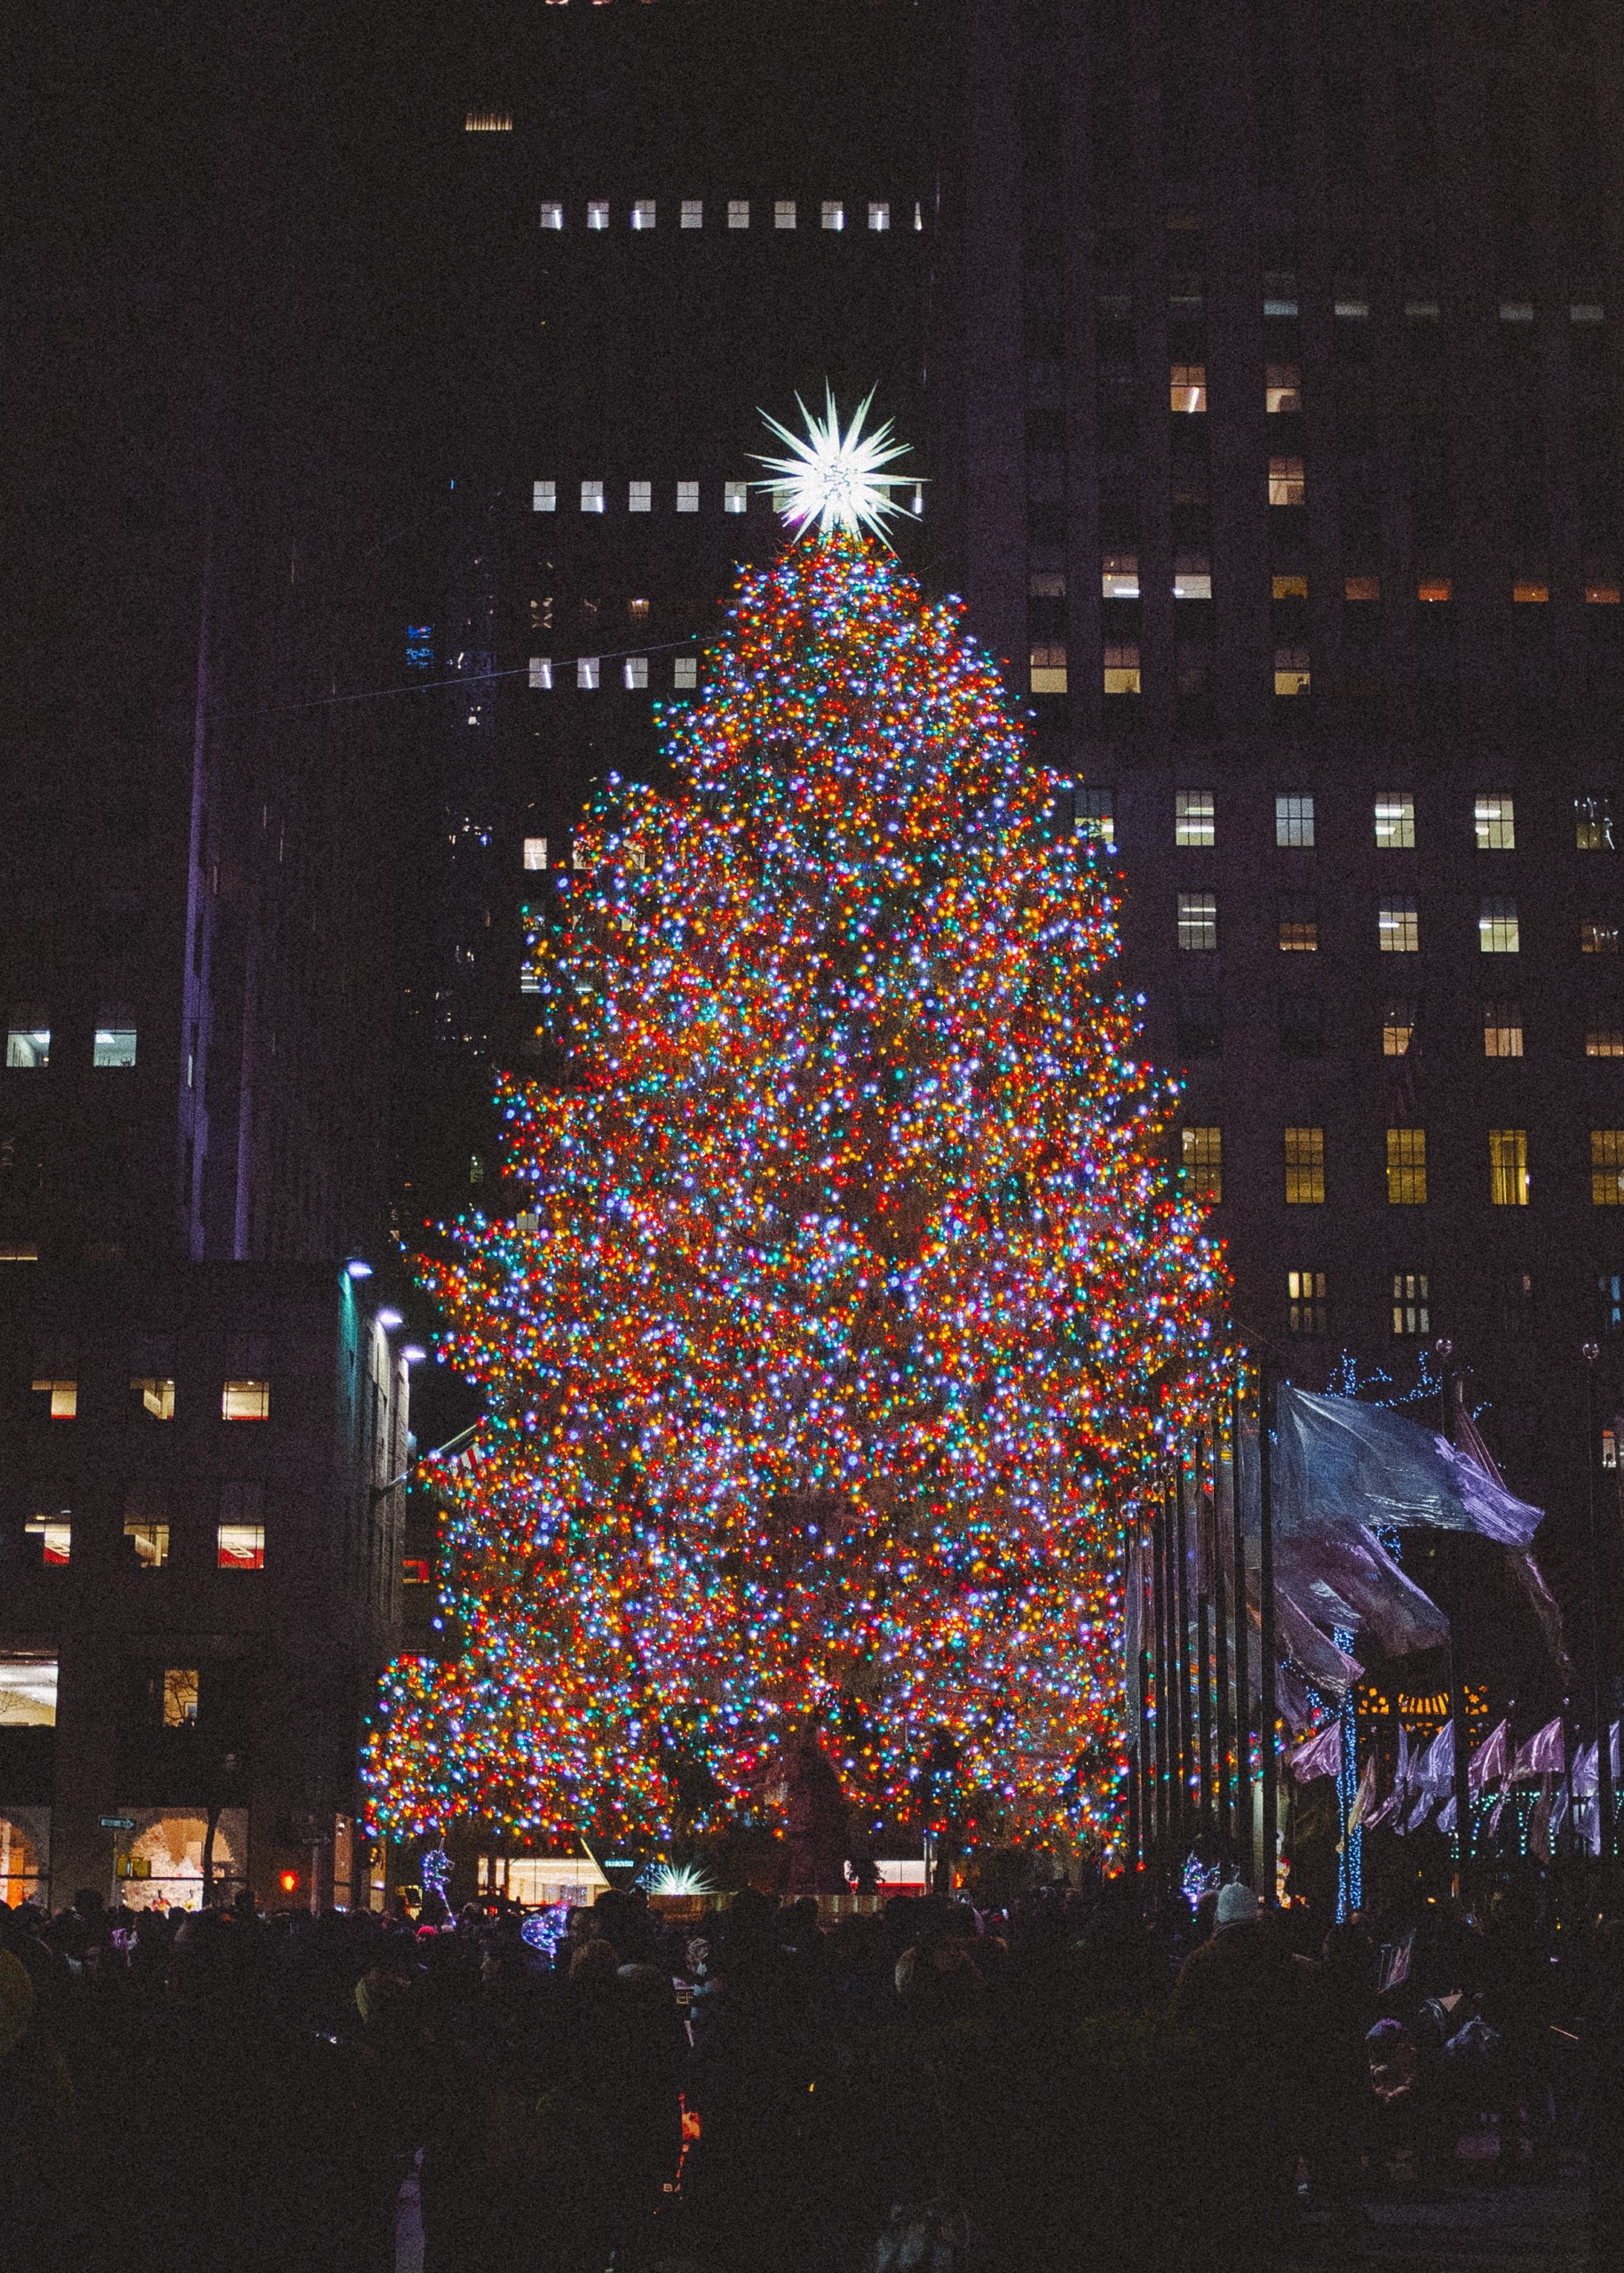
column 1398, row 925
column 633, row 672
column 1119, row 580
column 1122, row 670
column 28, row 1041
column 643, row 213
column 144, row 1539
column 1350, row 302
column 1202, row 1167
column 151, row 1397
column 1303, row 1032
column 1195, row 819
column 1409, row 1312
column 640, row 496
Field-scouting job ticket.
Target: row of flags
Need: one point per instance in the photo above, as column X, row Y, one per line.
column 1425, row 1776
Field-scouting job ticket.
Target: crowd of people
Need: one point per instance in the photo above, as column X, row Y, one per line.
column 1096, row 2076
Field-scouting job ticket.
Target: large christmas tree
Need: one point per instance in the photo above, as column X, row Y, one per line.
column 854, row 1298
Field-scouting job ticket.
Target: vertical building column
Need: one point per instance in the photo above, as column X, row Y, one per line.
column 994, row 438
column 1243, row 652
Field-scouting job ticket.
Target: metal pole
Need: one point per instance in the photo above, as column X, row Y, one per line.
column 1181, row 1667
column 1601, row 1681
column 1220, row 1616
column 1245, row 1835
column 1268, row 1708
column 1148, row 1795
column 1203, row 1633
column 1159, row 1642
column 1457, row 1693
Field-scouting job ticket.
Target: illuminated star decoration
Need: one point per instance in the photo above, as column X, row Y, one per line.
column 834, row 479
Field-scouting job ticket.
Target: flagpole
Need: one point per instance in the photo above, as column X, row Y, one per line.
column 1220, row 1617
column 1130, row 1679
column 1203, row 1634
column 1449, row 1394
column 1159, row 1722
column 1601, row 1684
column 1268, row 1707
column 1245, row 1831
column 1181, row 1665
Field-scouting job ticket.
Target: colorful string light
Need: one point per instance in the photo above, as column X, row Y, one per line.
column 858, row 1301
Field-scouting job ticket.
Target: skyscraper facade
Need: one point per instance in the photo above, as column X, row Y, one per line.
column 1291, row 376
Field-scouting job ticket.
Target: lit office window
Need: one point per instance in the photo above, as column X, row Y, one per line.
column 146, row 1527
column 1191, row 576
column 1048, row 667
column 1502, row 1029
column 1307, row 1309
column 114, row 1039
column 1294, row 818
column 1610, row 1288
column 245, row 1400
column 56, row 1396
column 1119, row 576
column 1096, row 810
column 1406, row 1168
column 1508, row 1167
column 1435, row 590
column 28, row 1041
column 1198, row 921
column 693, row 214
column 1397, row 926
column 1497, row 929
column 1290, row 586
column 541, row 672
column 640, row 497
column 240, row 1531
column 1298, row 922
column 488, row 122
column 1398, row 1026
column 636, row 672
column 1187, row 387
column 685, row 672
column 1530, row 592
column 833, row 213
column 598, row 214
column 1394, row 814
column 1282, row 388
column 1291, row 675
column 535, row 852
column 1121, row 669
column 1607, row 1167
column 1194, row 817
column 783, row 213
column 879, row 214
column 738, row 212
column 544, row 497
column 1604, row 1032
column 1285, row 481
column 591, row 496
column 1200, row 1160
column 1593, row 824
column 53, row 1530
column 587, row 672
column 1598, row 936
column 735, row 496
column 1494, row 820
column 688, row 497
column 643, row 213
column 1304, row 1156
column 552, row 215
column 1412, row 1308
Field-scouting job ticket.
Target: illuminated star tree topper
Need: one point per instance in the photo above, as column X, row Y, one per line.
column 837, row 480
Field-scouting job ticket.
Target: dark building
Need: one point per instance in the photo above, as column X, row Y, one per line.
column 200, row 1567
column 649, row 225
column 197, row 953
column 1292, row 408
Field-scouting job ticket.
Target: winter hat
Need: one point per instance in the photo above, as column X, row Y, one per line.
column 1238, row 1905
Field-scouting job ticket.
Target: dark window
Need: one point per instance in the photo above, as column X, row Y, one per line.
column 1610, row 1304
column 1514, row 1309
column 1201, row 1026
column 1301, row 1026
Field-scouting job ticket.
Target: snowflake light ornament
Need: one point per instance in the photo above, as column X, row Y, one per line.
column 836, row 480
